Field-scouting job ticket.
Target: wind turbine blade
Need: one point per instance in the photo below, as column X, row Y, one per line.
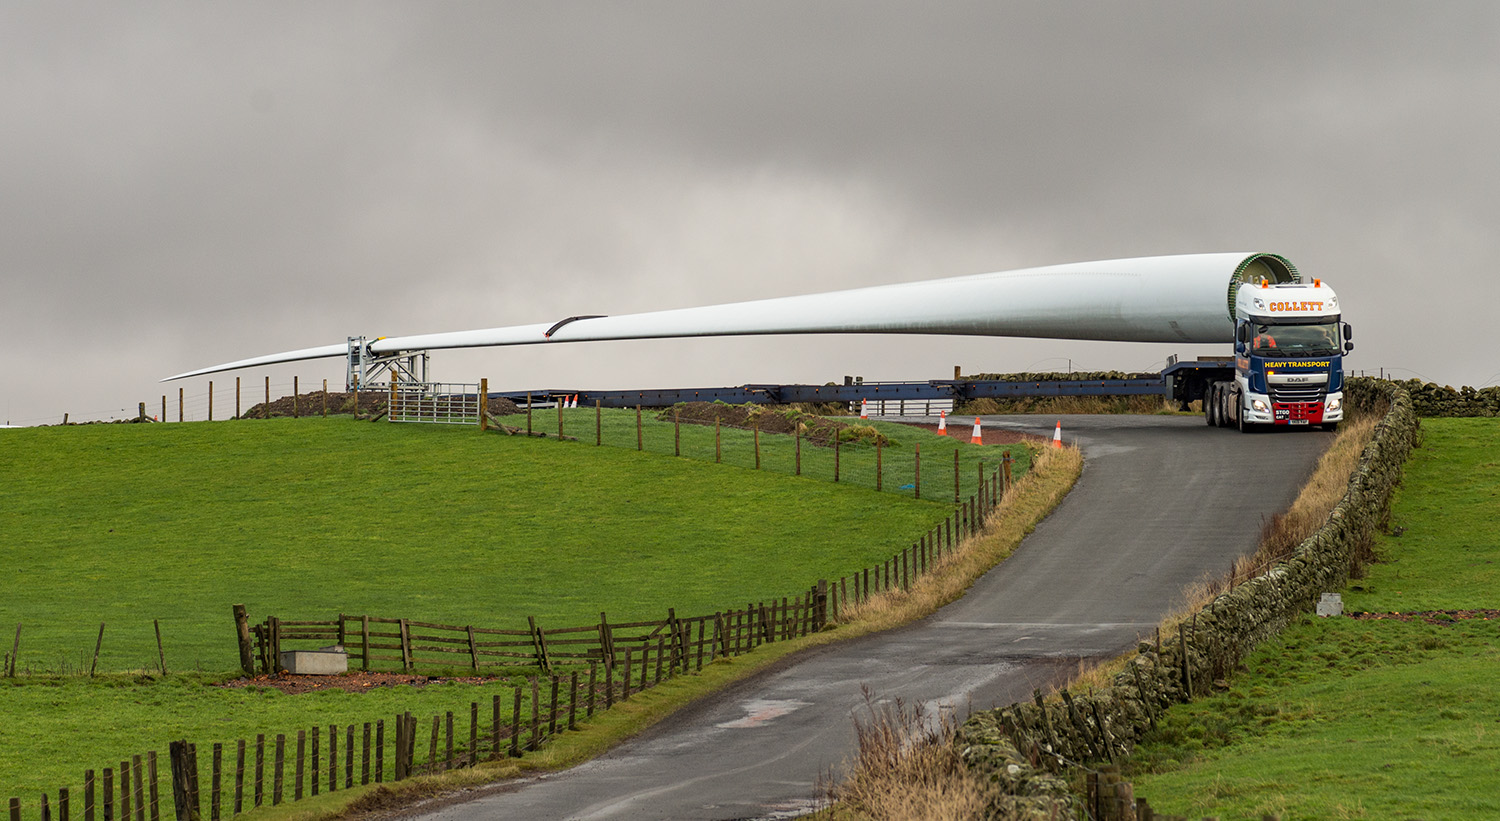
column 1183, row 298
column 322, row 352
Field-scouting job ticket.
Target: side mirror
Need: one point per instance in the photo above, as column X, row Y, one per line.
column 1348, row 346
column 1242, row 334
column 1348, row 331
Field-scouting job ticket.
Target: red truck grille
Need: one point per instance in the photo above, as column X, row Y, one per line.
column 1297, row 413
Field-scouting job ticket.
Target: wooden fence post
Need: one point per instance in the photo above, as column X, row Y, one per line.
column 515, row 726
column 98, row 645
column 268, row 399
column 560, row 403
column 528, row 414
column 917, row 467
column 179, row 404
column 184, row 773
column 296, row 391
column 216, row 782
column 210, row 400
column 325, row 398
column 484, row 405
column 1005, row 472
column 539, row 645
column 236, row 397
column 955, row 476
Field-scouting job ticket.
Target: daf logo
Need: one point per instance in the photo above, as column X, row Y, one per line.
column 1297, row 380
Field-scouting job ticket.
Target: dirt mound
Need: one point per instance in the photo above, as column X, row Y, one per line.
column 1428, row 616
column 991, row 434
column 370, row 402
column 780, row 419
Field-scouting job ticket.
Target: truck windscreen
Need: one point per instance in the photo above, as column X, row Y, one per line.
column 1295, row 341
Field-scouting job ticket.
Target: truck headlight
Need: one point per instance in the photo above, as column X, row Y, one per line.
column 1334, row 404
column 1259, row 406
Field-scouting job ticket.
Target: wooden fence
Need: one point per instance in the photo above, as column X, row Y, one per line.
column 681, row 644
column 250, row 773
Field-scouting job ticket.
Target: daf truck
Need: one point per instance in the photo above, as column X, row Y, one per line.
column 1289, row 344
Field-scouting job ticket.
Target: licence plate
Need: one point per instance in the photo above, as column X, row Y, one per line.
column 1297, row 422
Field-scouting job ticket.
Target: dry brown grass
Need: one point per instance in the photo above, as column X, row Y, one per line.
column 1027, row 501
column 907, row 769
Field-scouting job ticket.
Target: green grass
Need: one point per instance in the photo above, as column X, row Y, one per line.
column 309, row 518
column 1339, row 718
column 856, row 462
column 126, row 524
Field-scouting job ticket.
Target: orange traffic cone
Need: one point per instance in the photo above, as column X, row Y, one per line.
column 574, row 402
column 864, row 410
column 1057, row 435
column 978, row 437
column 942, row 423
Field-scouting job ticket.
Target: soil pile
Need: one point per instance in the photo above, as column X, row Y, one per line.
column 780, row 419
column 370, row 402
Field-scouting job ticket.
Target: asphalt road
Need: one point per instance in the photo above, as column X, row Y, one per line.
column 1162, row 502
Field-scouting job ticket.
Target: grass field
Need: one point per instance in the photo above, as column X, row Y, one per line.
column 126, row 524
column 1344, row 718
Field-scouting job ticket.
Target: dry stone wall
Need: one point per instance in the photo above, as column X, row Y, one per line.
column 1026, row 748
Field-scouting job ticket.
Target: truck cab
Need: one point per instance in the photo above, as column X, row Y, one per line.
column 1288, row 363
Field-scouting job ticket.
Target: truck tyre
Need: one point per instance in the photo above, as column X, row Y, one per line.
column 1211, row 404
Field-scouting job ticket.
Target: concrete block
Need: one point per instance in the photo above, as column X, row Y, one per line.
column 1332, row 604
column 327, row 661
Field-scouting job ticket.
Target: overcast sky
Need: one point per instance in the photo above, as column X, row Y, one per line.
column 188, row 184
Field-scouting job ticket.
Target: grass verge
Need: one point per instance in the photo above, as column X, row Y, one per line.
column 1379, row 718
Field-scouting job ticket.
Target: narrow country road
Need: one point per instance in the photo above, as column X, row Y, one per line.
column 1163, row 501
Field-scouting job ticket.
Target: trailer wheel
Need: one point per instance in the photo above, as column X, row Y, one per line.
column 1211, row 405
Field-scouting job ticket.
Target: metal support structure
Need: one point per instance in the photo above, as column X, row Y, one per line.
column 368, row 370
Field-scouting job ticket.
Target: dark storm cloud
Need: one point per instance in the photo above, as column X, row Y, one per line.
column 189, row 184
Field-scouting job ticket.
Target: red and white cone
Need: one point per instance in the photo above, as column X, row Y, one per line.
column 574, row 402
column 942, row 423
column 978, row 437
column 1057, row 435
column 864, row 409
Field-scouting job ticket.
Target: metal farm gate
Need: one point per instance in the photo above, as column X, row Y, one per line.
column 442, row 403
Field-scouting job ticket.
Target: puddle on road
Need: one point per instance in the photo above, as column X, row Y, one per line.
column 762, row 711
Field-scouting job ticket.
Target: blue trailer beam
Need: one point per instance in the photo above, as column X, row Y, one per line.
column 956, row 390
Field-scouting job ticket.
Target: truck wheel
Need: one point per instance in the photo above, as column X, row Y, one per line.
column 1211, row 405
